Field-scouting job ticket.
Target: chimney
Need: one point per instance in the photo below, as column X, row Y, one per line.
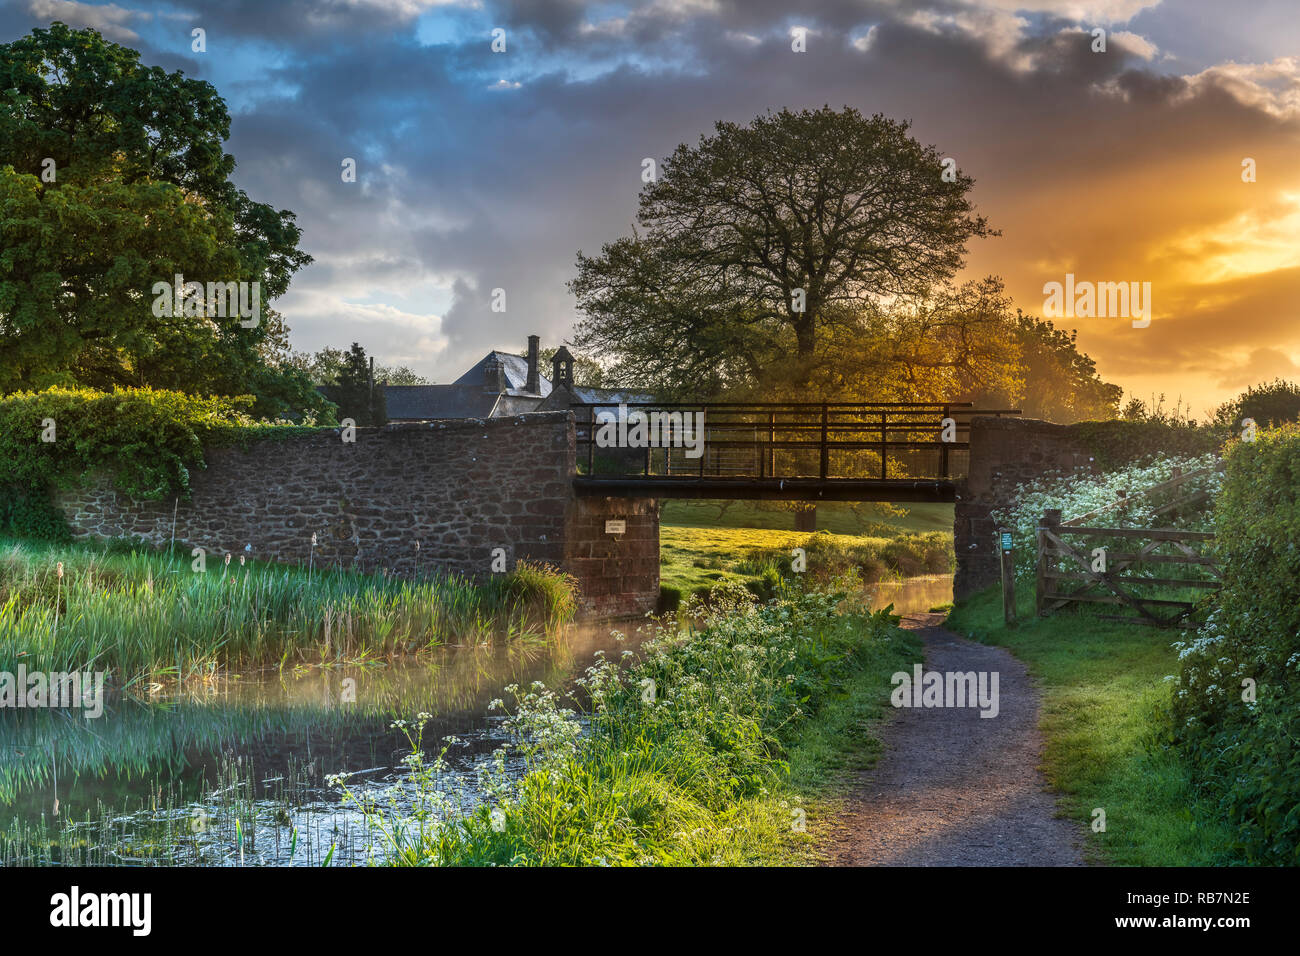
column 534, row 384
column 495, row 379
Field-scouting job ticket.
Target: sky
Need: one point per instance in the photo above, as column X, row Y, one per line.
column 479, row 170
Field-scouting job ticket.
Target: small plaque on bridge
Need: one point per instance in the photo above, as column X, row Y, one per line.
column 616, row 527
column 1006, row 540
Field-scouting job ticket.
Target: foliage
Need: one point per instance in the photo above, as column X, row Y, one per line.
column 149, row 440
column 1081, row 492
column 1060, row 382
column 1245, row 744
column 324, row 367
column 685, row 754
column 355, row 395
column 810, row 254
column 1271, row 403
column 138, row 192
column 147, row 615
column 843, row 207
column 1113, row 444
column 939, row 344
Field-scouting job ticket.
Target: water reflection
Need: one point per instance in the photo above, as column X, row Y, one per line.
column 912, row 595
column 282, row 732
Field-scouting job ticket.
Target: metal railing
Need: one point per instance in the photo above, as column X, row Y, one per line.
column 880, row 441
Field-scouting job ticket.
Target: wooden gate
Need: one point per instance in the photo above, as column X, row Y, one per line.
column 1116, row 582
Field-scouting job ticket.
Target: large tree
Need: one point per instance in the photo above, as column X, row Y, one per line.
column 1061, row 383
column 113, row 177
column 756, row 241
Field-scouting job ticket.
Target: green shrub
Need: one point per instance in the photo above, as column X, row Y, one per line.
column 1117, row 443
column 1246, row 752
column 670, row 599
column 829, row 558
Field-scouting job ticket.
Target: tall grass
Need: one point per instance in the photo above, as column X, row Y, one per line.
column 146, row 615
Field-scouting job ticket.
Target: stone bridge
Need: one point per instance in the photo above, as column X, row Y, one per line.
column 456, row 496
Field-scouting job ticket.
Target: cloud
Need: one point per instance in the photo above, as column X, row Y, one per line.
column 109, row 19
column 1271, row 87
column 1261, row 365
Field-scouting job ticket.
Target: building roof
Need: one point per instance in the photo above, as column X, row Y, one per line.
column 516, row 367
column 438, row 401
column 607, row 396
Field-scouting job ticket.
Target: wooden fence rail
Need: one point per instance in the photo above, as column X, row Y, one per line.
column 1115, row 581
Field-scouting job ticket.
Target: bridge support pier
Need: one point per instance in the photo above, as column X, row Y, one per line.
column 611, row 546
column 1004, row 453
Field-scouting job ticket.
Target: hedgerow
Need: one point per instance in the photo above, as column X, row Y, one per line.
column 1236, row 706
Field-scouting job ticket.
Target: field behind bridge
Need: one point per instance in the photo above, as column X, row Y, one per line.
column 704, row 543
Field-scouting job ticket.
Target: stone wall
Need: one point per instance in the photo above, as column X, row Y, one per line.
column 1004, row 452
column 412, row 499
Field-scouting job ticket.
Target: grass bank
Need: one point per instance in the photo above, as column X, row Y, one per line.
column 695, row 559
column 1106, row 718
column 147, row 615
column 716, row 748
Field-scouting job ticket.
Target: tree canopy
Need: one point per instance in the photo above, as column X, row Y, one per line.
column 325, row 366
column 810, row 255
column 761, row 237
column 113, row 178
column 1267, row 404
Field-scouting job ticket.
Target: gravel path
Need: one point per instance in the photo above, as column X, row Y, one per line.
column 955, row 789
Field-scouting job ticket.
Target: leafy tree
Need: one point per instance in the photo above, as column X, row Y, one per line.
column 946, row 344
column 399, row 375
column 324, row 367
column 113, row 178
column 1061, row 384
column 1273, row 403
column 757, row 241
column 351, row 388
column 321, row 367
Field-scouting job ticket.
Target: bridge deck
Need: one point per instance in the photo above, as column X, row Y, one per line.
column 834, row 451
column 769, row 489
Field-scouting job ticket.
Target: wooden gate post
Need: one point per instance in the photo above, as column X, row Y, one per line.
column 1008, row 577
column 1051, row 520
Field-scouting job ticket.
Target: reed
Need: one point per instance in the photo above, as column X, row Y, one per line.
column 147, row 616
